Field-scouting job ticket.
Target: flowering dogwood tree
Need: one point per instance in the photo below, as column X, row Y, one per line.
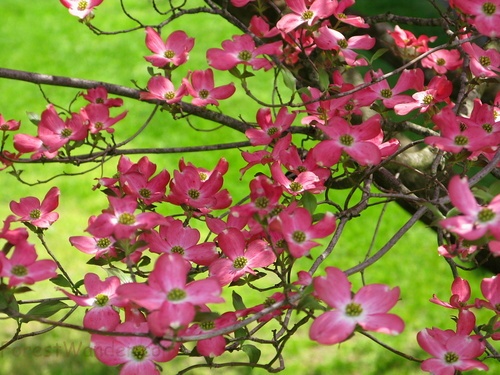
column 353, row 101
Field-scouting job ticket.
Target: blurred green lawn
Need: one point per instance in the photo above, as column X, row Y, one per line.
column 42, row 37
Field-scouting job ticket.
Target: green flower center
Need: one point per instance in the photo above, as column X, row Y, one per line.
column 488, row 128
column 341, row 16
column 342, row 43
column 177, row 249
column 103, row 243
column 386, row 93
column 428, row 99
column 82, row 5
column 169, row 54
column 485, row 61
column 269, row 301
column 176, row 295
column 298, row 236
column 261, row 202
column 66, row 133
column 240, row 262
column 126, row 219
column 145, row 193
column 193, row 193
column 139, row 352
column 203, row 94
column 349, row 107
column 203, row 176
column 353, row 309
column 98, row 125
column 207, row 326
column 4, row 127
column 35, row 214
column 451, row 357
column 301, row 168
column 272, row 131
column 296, row 186
column 169, row 95
column 307, row 15
column 19, row 270
column 346, row 140
column 461, row 140
column 485, row 215
column 99, row 101
column 101, row 300
column 244, row 55
column 489, row 9
column 440, row 61
column 280, row 244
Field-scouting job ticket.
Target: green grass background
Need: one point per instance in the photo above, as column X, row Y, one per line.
column 42, row 37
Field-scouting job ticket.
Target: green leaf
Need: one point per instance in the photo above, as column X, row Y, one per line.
column 238, row 303
column 33, row 117
column 145, row 260
column 324, row 79
column 378, row 54
column 208, row 316
column 252, row 352
column 309, row 202
column 61, row 281
column 289, row 80
column 124, row 277
column 44, row 310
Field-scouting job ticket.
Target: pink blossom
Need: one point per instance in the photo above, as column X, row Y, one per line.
column 23, row 268
column 452, row 351
column 136, row 354
column 350, row 19
column 161, row 88
column 99, row 119
column 121, row 221
column 270, row 130
column 13, row 236
column 173, row 51
column 170, row 300
column 483, row 14
column 409, row 45
column 306, row 12
column 182, row 240
column 260, row 27
column 299, row 232
column 40, row 215
column 101, row 297
column 439, row 90
column 490, row 287
column 8, row 125
column 98, row 247
column 79, row 8
column 200, row 85
column 367, row 308
column 25, row 143
column 55, row 133
column 241, row 258
column 330, row 39
column 242, row 50
column 99, row 95
column 304, row 181
column 483, row 63
column 475, row 220
column 355, row 140
column 460, row 290
column 443, row 60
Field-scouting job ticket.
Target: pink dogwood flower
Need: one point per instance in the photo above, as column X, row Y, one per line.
column 452, row 351
column 270, row 130
column 490, row 287
column 299, row 232
column 81, row 8
column 99, row 119
column 306, row 12
column 483, row 63
column 368, row 309
column 242, row 50
column 25, row 143
column 161, row 88
column 355, row 140
column 99, row 95
column 55, row 132
column 241, row 258
column 135, row 354
column 200, row 85
column 167, row 295
column 98, row 247
column 483, row 14
column 40, row 215
column 443, row 60
column 461, row 292
column 8, row 125
column 101, row 298
column 174, row 51
column 23, row 268
column 476, row 220
column 304, row 181
column 409, row 45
